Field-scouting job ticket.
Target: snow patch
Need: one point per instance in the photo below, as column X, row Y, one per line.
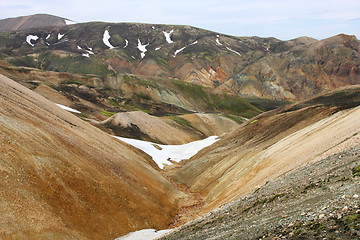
column 144, row 234
column 90, row 48
column 218, row 41
column 233, row 51
column 194, row 43
column 168, row 36
column 157, row 49
column 67, row 108
column 126, row 43
column 60, row 36
column 142, row 48
column 29, row 38
column 153, row 27
column 78, row 47
column 179, row 50
column 90, row 52
column 174, row 152
column 48, row 36
column 106, row 38
column 47, row 43
column 69, row 22
column 85, row 55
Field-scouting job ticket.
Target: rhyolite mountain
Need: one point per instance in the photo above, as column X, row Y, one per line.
column 33, row 21
column 247, row 66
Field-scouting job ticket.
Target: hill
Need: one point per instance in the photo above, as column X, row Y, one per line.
column 246, row 66
column 33, row 21
column 271, row 145
column 63, row 178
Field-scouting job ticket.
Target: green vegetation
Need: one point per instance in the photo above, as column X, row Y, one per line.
column 356, row 171
column 225, row 103
column 353, row 222
column 107, row 113
column 253, row 121
column 136, row 81
column 180, row 120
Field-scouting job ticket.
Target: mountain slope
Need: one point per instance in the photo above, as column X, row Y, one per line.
column 247, row 66
column 317, row 201
column 33, row 21
column 65, row 179
column 272, row 144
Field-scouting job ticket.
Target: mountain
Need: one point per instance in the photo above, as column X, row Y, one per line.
column 246, row 66
column 66, row 179
column 271, row 145
column 33, row 21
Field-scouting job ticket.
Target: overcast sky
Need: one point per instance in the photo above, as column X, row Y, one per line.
column 283, row 19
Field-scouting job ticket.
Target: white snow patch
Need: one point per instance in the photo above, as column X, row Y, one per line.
column 47, row 43
column 144, row 234
column 168, row 36
column 142, row 48
column 29, row 38
column 157, row 49
column 153, row 27
column 174, row 152
column 86, row 55
column 67, row 108
column 194, row 43
column 78, row 47
column 90, row 52
column 60, row 36
column 69, row 22
column 89, row 48
column 233, row 51
column 126, row 43
column 106, row 38
column 218, row 41
column 48, row 36
column 179, row 50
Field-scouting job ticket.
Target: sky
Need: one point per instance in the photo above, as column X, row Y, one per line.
column 282, row 19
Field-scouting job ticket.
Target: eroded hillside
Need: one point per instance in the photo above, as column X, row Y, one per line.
column 63, row 178
column 271, row 145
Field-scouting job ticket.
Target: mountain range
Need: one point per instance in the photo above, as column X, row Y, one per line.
column 246, row 66
column 285, row 163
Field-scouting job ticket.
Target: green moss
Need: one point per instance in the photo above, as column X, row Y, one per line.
column 107, row 113
column 356, row 171
column 353, row 221
column 180, row 120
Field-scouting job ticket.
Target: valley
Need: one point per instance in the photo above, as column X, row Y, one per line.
column 108, row 130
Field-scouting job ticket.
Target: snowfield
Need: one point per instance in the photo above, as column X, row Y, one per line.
column 142, row 48
column 145, row 234
column 29, row 38
column 174, row 153
column 168, row 36
column 106, row 38
column 67, row 108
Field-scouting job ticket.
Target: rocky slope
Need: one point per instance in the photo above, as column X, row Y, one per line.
column 33, row 21
column 318, row 201
column 271, row 145
column 247, row 66
column 65, row 179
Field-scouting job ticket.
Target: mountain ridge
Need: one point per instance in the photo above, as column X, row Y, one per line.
column 247, row 66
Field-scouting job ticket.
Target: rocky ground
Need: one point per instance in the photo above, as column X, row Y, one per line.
column 318, row 201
